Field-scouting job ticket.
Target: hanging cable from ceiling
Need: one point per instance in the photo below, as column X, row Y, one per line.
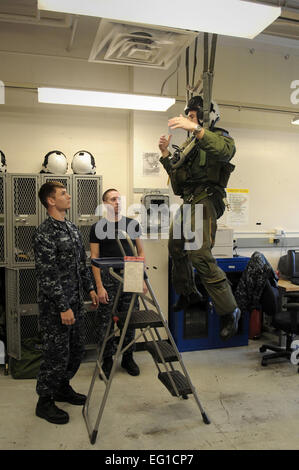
column 169, row 76
column 207, row 76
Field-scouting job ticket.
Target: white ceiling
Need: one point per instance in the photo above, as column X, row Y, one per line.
column 24, row 29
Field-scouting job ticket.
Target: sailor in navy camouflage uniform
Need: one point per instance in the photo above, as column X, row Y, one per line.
column 62, row 275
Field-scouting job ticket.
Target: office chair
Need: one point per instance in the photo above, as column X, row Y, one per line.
column 285, row 320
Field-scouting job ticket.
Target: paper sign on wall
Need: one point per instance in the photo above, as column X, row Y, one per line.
column 133, row 274
column 151, row 164
column 238, row 201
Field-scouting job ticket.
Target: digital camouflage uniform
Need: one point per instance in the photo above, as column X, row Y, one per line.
column 60, row 262
column 252, row 282
column 201, row 179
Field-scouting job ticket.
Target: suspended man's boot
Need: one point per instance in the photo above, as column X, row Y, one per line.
column 106, row 367
column 129, row 364
column 185, row 301
column 47, row 410
column 67, row 394
column 231, row 324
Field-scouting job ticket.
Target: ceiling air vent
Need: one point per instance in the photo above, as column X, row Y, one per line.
column 132, row 44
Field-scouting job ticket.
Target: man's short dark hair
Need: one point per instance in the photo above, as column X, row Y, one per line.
column 48, row 190
column 105, row 194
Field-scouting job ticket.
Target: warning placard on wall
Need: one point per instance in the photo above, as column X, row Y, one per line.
column 238, row 206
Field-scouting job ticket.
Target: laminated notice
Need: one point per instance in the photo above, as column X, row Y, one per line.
column 133, row 274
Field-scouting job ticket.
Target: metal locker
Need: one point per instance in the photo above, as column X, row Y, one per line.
column 65, row 180
column 86, row 197
column 22, row 314
column 23, row 217
column 3, row 222
column 21, row 308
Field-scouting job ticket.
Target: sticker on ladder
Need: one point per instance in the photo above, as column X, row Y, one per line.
column 133, row 273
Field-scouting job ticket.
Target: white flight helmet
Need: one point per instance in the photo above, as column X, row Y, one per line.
column 2, row 162
column 55, row 162
column 83, row 163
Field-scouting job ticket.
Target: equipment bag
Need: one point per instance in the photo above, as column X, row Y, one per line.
column 28, row 366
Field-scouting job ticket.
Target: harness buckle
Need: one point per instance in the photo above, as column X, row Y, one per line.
column 206, row 190
column 190, row 198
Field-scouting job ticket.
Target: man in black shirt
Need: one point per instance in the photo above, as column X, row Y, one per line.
column 103, row 244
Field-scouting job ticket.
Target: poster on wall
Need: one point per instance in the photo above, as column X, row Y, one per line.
column 151, row 165
column 238, row 206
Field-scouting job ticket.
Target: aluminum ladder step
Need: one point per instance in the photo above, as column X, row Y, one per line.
column 166, row 349
column 180, row 381
column 141, row 319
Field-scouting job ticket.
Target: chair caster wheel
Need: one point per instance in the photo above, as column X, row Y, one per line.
column 263, row 349
column 264, row 363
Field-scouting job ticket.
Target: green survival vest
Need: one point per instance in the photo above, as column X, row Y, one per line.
column 203, row 170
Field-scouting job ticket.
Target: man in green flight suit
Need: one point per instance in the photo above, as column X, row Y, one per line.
column 199, row 173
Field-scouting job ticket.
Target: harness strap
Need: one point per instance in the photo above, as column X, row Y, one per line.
column 208, row 75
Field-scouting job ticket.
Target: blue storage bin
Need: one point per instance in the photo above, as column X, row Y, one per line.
column 195, row 330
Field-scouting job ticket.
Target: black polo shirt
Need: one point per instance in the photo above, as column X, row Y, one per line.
column 105, row 233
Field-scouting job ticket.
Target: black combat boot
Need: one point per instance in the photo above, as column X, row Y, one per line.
column 67, row 394
column 47, row 409
column 106, row 367
column 231, row 324
column 129, row 364
column 185, row 301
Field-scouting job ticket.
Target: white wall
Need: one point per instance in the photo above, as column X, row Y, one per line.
column 29, row 130
column 266, row 161
column 27, row 134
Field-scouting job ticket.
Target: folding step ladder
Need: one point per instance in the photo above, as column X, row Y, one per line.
column 163, row 352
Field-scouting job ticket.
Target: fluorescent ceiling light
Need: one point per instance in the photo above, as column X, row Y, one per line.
column 228, row 17
column 295, row 120
column 104, row 99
